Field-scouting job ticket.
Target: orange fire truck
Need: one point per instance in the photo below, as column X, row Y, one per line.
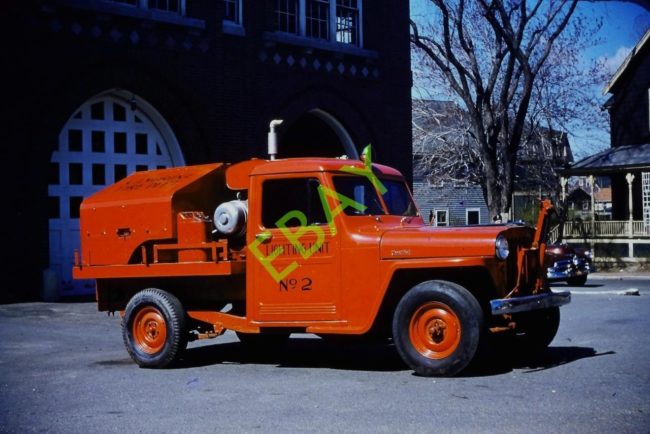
column 328, row 246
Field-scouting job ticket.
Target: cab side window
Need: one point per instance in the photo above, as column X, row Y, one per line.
column 281, row 196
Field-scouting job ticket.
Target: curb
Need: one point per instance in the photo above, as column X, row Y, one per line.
column 619, row 276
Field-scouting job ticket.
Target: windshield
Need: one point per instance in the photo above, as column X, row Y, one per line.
column 361, row 190
column 397, row 199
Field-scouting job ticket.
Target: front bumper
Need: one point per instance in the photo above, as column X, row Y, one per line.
column 530, row 302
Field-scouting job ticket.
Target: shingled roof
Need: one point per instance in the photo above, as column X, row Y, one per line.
column 629, row 157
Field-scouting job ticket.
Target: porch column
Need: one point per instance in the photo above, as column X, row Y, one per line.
column 592, row 181
column 630, row 178
column 563, row 183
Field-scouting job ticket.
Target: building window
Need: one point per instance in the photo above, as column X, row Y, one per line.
column 473, row 216
column 286, row 16
column 166, row 5
column 317, row 15
column 442, row 217
column 174, row 6
column 232, row 11
column 336, row 21
column 347, row 21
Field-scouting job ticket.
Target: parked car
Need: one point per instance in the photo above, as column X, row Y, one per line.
column 568, row 264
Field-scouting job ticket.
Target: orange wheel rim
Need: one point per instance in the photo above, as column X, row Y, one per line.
column 435, row 330
column 149, row 330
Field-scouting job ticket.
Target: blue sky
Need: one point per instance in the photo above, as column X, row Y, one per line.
column 623, row 25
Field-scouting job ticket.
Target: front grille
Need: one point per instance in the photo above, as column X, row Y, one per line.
column 516, row 243
column 563, row 265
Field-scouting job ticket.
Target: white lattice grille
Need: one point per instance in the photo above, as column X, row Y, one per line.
column 646, row 202
column 105, row 140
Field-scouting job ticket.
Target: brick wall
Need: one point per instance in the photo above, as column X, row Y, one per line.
column 217, row 91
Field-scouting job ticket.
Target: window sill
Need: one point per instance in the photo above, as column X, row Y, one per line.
column 231, row 28
column 133, row 12
column 301, row 41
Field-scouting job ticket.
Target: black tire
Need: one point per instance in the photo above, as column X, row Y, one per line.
column 536, row 330
column 577, row 280
column 154, row 329
column 437, row 327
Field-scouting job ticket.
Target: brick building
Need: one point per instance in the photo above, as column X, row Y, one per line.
column 97, row 89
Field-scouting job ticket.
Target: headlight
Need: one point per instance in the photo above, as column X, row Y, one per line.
column 501, row 247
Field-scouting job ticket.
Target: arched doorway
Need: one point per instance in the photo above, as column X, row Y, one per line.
column 316, row 133
column 108, row 137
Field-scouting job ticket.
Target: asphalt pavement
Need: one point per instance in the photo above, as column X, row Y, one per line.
column 64, row 369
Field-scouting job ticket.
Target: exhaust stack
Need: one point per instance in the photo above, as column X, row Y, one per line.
column 273, row 138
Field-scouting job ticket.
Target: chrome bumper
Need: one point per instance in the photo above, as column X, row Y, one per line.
column 531, row 302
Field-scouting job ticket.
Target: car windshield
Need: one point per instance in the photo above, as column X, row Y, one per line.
column 361, row 190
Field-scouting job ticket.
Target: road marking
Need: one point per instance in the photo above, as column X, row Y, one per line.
column 630, row 292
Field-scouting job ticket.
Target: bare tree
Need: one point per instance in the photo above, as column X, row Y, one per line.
column 442, row 145
column 507, row 63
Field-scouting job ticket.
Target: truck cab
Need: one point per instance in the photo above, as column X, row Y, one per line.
column 328, row 246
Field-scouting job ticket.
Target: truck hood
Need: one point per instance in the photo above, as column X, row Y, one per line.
column 435, row 242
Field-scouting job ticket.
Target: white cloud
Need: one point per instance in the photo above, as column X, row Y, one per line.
column 611, row 64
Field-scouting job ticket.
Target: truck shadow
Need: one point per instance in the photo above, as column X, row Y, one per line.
column 372, row 357
column 558, row 356
column 300, row 353
column 500, row 361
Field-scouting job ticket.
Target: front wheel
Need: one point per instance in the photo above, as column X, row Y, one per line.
column 153, row 328
column 437, row 328
column 577, row 280
column 536, row 329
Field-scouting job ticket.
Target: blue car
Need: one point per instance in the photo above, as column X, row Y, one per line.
column 568, row 264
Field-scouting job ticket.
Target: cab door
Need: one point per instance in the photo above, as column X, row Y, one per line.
column 293, row 258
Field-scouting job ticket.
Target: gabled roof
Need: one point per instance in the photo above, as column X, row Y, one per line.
column 578, row 194
column 643, row 43
column 613, row 159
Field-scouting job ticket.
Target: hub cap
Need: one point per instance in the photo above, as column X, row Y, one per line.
column 149, row 330
column 435, row 330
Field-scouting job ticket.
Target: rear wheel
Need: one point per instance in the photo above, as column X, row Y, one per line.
column 153, row 328
column 437, row 328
